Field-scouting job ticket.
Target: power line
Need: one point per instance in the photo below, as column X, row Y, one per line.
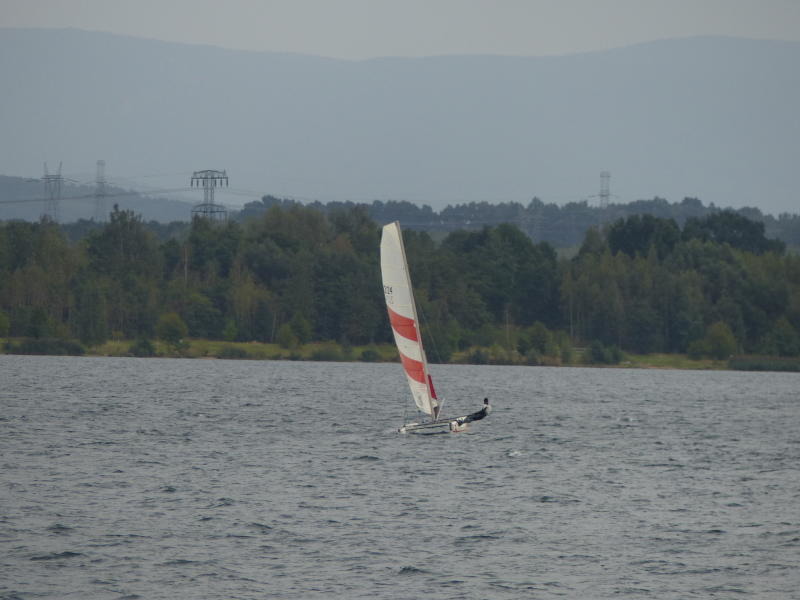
column 92, row 195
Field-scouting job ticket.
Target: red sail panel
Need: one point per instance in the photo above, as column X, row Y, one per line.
column 430, row 387
column 403, row 325
column 413, row 368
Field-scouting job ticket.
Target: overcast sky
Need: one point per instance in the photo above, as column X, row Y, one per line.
column 358, row 29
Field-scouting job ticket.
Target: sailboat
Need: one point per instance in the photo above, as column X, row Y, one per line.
column 402, row 311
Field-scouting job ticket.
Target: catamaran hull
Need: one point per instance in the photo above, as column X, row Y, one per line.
column 437, row 427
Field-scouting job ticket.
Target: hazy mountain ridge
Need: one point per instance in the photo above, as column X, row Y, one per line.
column 713, row 118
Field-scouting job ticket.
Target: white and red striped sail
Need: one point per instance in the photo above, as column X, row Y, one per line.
column 403, row 317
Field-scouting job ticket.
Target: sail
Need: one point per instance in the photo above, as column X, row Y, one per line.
column 403, row 317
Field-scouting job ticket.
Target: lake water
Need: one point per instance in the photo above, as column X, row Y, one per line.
column 158, row 478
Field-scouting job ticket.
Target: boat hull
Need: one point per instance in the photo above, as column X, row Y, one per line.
column 449, row 426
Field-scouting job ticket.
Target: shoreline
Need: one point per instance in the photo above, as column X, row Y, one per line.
column 201, row 349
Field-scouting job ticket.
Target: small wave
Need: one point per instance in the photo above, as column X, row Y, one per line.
column 659, row 567
column 411, row 570
column 181, row 562
column 223, row 502
column 557, row 500
column 57, row 555
column 366, row 457
column 60, row 529
column 786, row 533
column 469, row 539
column 634, row 591
column 726, row 589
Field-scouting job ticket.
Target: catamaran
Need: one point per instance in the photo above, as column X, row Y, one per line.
column 402, row 311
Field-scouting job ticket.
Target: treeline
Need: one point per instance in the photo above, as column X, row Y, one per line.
column 716, row 286
column 561, row 226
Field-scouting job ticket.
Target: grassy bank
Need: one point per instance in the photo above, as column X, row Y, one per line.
column 199, row 348
column 333, row 352
column 671, row 361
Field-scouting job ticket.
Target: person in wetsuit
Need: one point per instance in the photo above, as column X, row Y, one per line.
column 476, row 416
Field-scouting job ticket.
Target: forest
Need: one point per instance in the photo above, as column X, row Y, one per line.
column 714, row 286
column 563, row 226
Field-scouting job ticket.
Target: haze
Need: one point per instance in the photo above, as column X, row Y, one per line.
column 709, row 117
column 359, row 29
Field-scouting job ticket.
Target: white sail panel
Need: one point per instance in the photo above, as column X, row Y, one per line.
column 408, row 348
column 403, row 317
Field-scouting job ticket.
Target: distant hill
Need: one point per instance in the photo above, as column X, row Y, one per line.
column 711, row 118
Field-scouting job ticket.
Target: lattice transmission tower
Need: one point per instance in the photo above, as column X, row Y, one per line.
column 52, row 191
column 605, row 189
column 209, row 180
column 100, row 192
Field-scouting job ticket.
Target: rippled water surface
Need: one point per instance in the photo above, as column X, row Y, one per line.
column 157, row 478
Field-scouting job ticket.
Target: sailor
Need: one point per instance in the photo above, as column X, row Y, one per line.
column 476, row 416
